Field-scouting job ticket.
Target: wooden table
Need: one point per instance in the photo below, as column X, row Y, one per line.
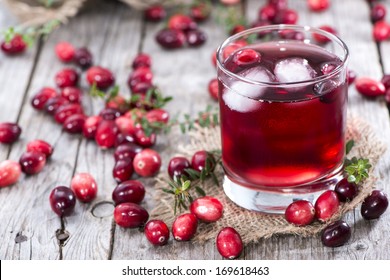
column 115, row 33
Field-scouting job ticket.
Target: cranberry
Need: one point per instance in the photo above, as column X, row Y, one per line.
column 143, row 140
column 177, row 167
column 300, row 213
column 346, row 190
column 67, row 77
column 246, row 57
column 123, row 138
column 155, row 13
column 142, row 60
column 110, row 114
column 181, row 22
column 351, row 76
column 130, row 215
column 323, row 39
column 207, row 209
column 170, row 38
column 102, row 77
column 126, row 125
column 327, row 205
column 381, row 31
column 72, row 94
column 278, row 4
column 229, row 243
column 386, row 81
column 336, row 234
column 84, row 187
column 140, row 88
column 214, row 58
column 287, row 16
column 40, row 99
column 147, row 163
column 157, row 232
column 227, row 52
column 10, row 172
column 106, row 134
column 378, row 12
column 374, row 205
column 200, row 12
column 83, row 58
column 65, row 51
column 9, row 132
column 54, row 103
column 157, row 115
column 198, row 161
column 196, row 38
column 15, row 46
column 90, row 126
column 123, row 170
column 318, row 5
column 292, row 35
column 237, row 29
column 141, row 75
column 267, row 13
column 32, row 162
column 213, row 89
column 119, row 103
column 126, row 151
column 327, row 68
column 369, row 87
column 74, row 124
column 184, row 227
column 129, row 191
column 62, row 201
column 41, row 147
column 63, row 112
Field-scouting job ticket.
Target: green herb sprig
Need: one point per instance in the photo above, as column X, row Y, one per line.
column 357, row 169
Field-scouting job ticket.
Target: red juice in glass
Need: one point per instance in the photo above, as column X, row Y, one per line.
column 283, row 116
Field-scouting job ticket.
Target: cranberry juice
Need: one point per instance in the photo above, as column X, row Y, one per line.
column 283, row 131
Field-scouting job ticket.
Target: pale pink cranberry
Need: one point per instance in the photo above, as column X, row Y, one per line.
column 10, row 172
column 84, row 187
column 318, row 5
column 207, row 209
column 65, row 51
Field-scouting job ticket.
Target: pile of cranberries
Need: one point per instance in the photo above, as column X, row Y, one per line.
column 381, row 30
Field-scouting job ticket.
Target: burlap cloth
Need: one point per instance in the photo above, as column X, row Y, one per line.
column 251, row 225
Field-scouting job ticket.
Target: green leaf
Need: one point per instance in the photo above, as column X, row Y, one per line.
column 168, row 191
column 349, row 146
column 200, row 191
column 186, row 185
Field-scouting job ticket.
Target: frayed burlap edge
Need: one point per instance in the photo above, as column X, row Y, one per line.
column 143, row 4
column 251, row 225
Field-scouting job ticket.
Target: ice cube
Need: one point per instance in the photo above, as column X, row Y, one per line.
column 239, row 103
column 292, row 70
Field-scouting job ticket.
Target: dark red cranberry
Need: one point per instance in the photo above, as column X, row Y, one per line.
column 62, row 201
column 318, row 5
column 83, row 58
column 237, row 29
column 171, row 38
column 90, row 126
column 321, row 38
column 65, row 51
column 126, row 151
column 351, row 77
column 143, row 140
column 157, row 115
column 182, row 23
column 267, row 13
column 72, row 94
column 246, row 57
column 9, row 132
column 129, row 191
column 278, row 4
column 196, row 38
column 10, row 172
column 381, row 31
column 378, row 12
column 123, row 170
column 32, row 162
column 147, row 163
column 213, row 89
column 66, row 111
column 67, row 77
column 84, row 187
column 74, row 124
column 287, row 16
column 386, row 81
column 155, row 13
column 40, row 99
column 106, row 134
column 336, row 234
column 41, row 147
column 123, row 138
column 229, row 243
column 369, row 87
column 177, row 166
column 327, row 205
column 300, row 213
column 102, row 77
column 198, row 161
column 345, row 190
column 200, row 12
column 54, row 103
column 140, row 88
column 110, row 114
column 157, row 232
column 207, row 209
column 130, row 215
column 15, row 46
column 142, row 60
column 184, row 227
column 374, row 205
column 141, row 75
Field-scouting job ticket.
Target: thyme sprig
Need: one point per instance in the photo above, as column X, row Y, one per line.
column 357, row 169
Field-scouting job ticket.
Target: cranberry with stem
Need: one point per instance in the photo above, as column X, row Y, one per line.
column 32, row 162
column 177, row 167
column 157, row 232
column 84, row 187
column 67, row 77
column 336, row 234
column 16, row 46
column 147, row 163
column 300, row 213
column 10, row 172
column 129, row 191
column 123, row 170
column 207, row 209
column 41, row 147
column 62, row 201
column 374, row 205
column 184, row 227
column 9, row 132
column 130, row 215
column 229, row 243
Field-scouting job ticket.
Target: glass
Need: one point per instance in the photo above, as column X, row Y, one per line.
column 283, row 102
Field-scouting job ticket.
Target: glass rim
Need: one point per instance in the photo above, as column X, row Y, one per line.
column 324, row 77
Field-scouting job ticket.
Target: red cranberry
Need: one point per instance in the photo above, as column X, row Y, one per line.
column 300, row 213
column 181, row 22
column 83, row 58
column 184, row 227
column 336, row 234
column 322, row 39
column 67, row 77
column 227, row 52
column 102, row 77
column 65, row 51
column 72, row 94
column 318, row 5
column 10, row 172
column 157, row 115
column 198, row 161
column 177, row 166
column 267, row 13
column 374, row 205
column 292, row 35
column 126, row 125
column 9, row 132
column 237, row 29
column 207, row 209
column 141, row 75
column 351, row 77
column 386, row 81
column 74, row 124
column 327, row 205
column 246, row 57
column 369, row 87
column 200, row 12
column 130, row 215
column 196, row 38
column 54, row 103
column 119, row 103
column 32, row 162
column 140, row 88
column 84, row 187
column 123, row 170
column 327, row 68
column 123, row 138
column 142, row 60
column 143, row 140
column 155, row 13
column 109, row 114
column 214, row 58
column 62, row 201
column 213, row 89
column 40, row 99
column 147, row 163
column 346, row 190
column 229, row 243
column 66, row 111
column 157, row 232
column 15, row 46
column 106, row 134
column 126, row 151
column 381, row 31
column 170, row 38
column 129, row 191
column 287, row 16
column 378, row 12
column 90, row 126
column 41, row 147
column 278, row 4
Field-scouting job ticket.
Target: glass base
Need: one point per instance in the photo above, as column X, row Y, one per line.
column 275, row 201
